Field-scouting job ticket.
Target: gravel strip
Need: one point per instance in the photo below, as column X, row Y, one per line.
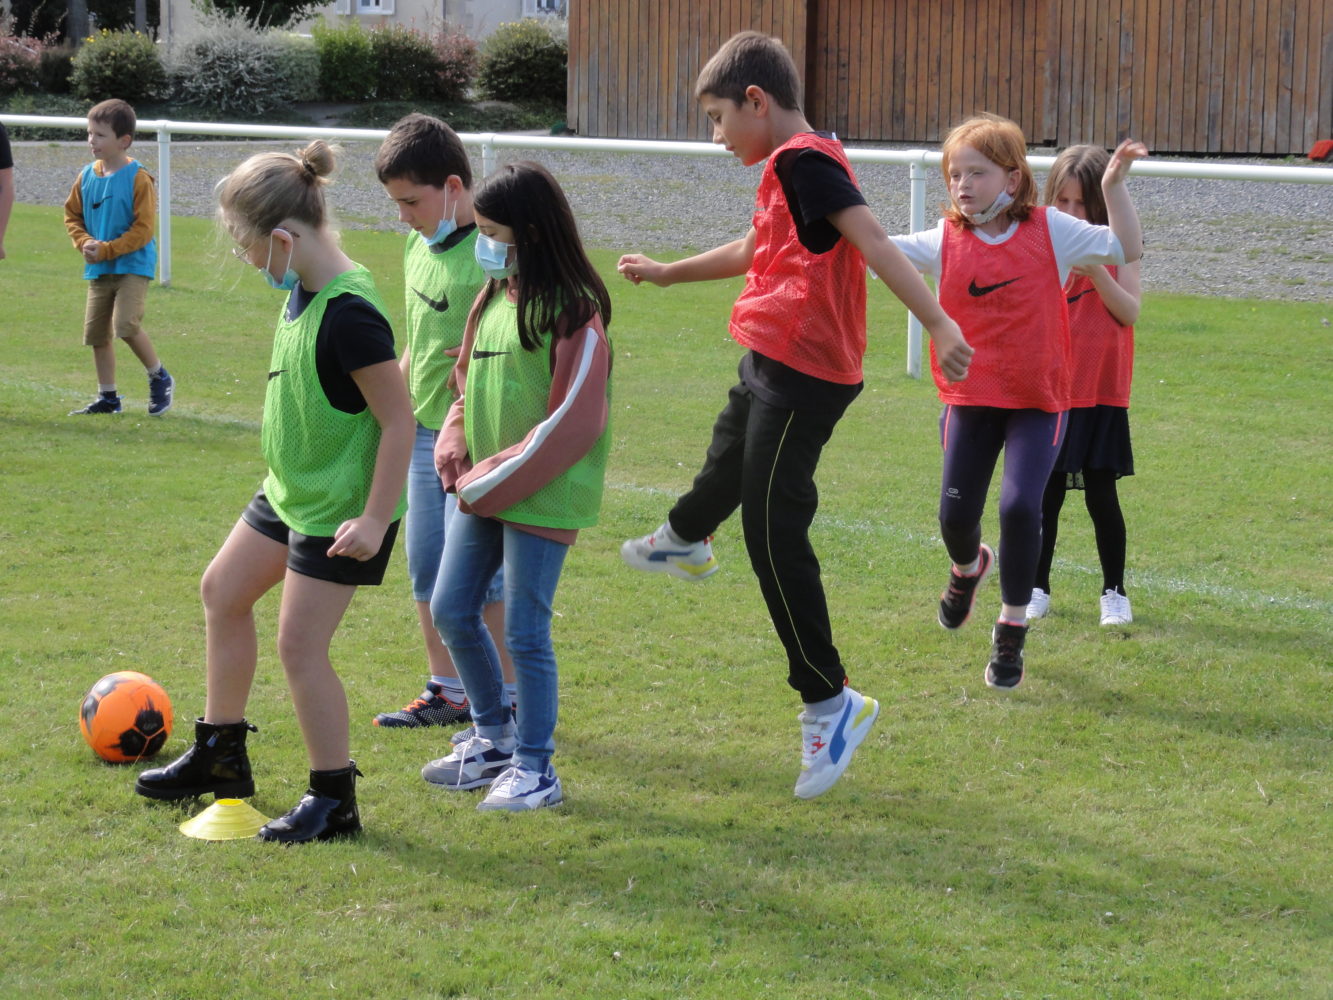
column 1204, row 237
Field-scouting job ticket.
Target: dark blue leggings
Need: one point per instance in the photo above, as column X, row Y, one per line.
column 972, row 438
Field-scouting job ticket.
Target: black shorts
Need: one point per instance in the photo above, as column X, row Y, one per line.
column 308, row 554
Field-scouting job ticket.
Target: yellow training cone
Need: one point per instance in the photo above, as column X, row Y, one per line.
column 225, row 819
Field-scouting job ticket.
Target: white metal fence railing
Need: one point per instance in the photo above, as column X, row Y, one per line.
column 916, row 160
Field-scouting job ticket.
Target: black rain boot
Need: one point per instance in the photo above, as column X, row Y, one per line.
column 327, row 810
column 216, row 763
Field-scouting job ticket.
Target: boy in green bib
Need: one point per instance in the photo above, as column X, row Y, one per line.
column 425, row 171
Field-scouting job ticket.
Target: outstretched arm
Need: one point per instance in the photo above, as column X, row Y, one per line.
column 728, row 261
column 860, row 227
column 1120, row 211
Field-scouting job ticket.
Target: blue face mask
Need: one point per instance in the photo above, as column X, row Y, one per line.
column 446, row 228
column 290, row 277
column 491, row 256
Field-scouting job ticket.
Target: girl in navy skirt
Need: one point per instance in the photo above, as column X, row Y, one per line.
column 1103, row 305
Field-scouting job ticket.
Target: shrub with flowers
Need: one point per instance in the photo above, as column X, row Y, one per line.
column 122, row 64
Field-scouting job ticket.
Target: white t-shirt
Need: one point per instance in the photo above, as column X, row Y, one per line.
column 1076, row 243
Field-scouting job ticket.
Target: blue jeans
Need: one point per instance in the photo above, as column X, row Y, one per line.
column 430, row 510
column 475, row 549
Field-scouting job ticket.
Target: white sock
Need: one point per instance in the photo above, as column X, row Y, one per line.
column 154, row 372
column 452, row 687
column 511, row 693
column 107, row 390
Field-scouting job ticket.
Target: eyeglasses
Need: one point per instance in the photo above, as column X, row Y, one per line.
column 243, row 253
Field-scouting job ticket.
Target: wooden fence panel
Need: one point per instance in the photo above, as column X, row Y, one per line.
column 1187, row 76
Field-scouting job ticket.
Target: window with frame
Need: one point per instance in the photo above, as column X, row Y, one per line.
column 363, row 7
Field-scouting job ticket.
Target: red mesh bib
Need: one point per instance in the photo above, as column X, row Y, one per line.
column 805, row 310
column 1102, row 349
column 1012, row 310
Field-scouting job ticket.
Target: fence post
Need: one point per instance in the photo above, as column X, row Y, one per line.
column 164, row 206
column 916, row 223
column 487, row 154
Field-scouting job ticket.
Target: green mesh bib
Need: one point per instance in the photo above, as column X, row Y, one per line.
column 507, row 393
column 441, row 288
column 320, row 459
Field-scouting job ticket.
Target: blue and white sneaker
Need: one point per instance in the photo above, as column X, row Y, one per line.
column 160, row 388
column 828, row 742
column 520, row 788
column 473, row 763
column 663, row 552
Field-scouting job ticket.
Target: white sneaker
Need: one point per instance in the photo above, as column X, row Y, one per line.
column 519, row 788
column 1039, row 604
column 828, row 742
column 1115, row 609
column 661, row 553
column 473, row 763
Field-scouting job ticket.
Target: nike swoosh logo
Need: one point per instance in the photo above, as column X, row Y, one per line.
column 273, row 375
column 976, row 291
column 487, row 354
column 439, row 305
column 1072, row 299
column 99, row 204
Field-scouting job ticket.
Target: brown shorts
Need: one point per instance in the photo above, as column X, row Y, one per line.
column 115, row 306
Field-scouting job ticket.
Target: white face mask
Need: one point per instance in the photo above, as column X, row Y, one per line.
column 289, row 277
column 491, row 256
column 1002, row 201
column 445, row 229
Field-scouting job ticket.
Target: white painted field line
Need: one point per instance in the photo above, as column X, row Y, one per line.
column 1138, row 580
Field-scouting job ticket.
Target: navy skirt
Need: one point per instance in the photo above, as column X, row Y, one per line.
column 1097, row 438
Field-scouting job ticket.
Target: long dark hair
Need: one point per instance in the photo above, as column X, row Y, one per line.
column 558, row 288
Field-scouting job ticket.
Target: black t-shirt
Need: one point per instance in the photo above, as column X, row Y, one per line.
column 6, row 155
column 353, row 334
column 816, row 186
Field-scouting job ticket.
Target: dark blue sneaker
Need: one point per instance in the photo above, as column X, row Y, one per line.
column 160, row 387
column 102, row 404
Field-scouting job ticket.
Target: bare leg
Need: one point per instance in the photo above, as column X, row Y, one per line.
column 104, row 360
column 143, row 350
column 437, row 653
column 311, row 611
column 246, row 567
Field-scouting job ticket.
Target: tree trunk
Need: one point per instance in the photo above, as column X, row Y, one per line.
column 141, row 16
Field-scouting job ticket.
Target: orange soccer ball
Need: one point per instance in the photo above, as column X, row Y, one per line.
column 126, row 717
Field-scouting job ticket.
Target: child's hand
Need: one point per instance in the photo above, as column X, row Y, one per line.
column 359, row 538
column 636, row 267
column 953, row 353
column 89, row 250
column 1125, row 154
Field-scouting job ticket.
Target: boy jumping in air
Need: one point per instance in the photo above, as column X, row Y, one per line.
column 802, row 317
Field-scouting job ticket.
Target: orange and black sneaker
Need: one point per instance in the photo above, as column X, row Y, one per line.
column 431, row 708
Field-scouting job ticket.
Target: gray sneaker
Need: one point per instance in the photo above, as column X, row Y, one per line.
column 473, row 763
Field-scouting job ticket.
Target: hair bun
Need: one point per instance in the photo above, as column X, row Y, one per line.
column 317, row 159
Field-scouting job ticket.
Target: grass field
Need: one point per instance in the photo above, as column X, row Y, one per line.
column 1149, row 816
